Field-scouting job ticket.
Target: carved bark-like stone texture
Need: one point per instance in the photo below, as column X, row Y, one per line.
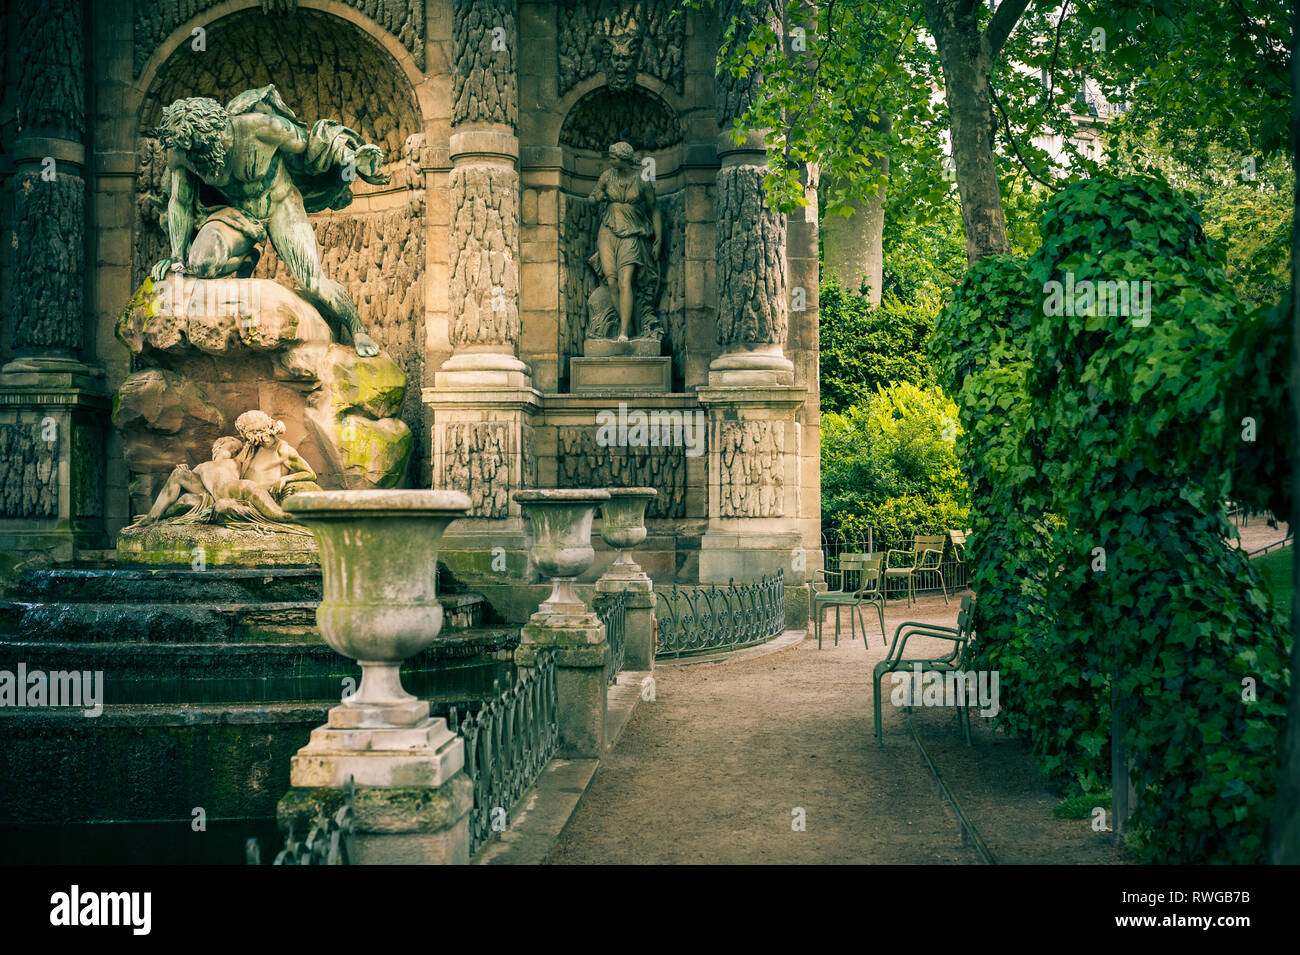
column 582, row 462
column 605, row 116
column 583, row 27
column 29, row 472
column 752, row 472
column 329, row 69
column 51, row 67
column 752, row 307
column 484, row 290
column 485, row 84
column 579, row 221
column 48, row 262
column 88, row 471
column 476, row 460
column 154, row 21
column 736, row 94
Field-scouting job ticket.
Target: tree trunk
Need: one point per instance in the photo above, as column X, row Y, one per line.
column 853, row 249
column 1284, row 846
column 966, row 56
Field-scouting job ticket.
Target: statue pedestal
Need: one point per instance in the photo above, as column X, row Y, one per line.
column 620, row 373
column 214, row 545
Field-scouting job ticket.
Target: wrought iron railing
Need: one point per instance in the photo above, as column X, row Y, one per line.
column 700, row 619
column 612, row 610
column 328, row 840
column 508, row 742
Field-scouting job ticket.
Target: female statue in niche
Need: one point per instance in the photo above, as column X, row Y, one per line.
column 626, row 260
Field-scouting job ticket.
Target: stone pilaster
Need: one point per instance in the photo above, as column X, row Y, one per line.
column 484, row 185
column 52, row 402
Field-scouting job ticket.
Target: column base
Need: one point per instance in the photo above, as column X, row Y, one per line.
column 762, row 366
column 469, row 371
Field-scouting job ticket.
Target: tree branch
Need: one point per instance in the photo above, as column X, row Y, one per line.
column 1004, row 20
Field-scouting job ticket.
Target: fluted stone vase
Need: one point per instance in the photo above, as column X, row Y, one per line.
column 561, row 520
column 623, row 527
column 379, row 568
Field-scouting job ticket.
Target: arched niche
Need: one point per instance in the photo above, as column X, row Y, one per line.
column 592, row 124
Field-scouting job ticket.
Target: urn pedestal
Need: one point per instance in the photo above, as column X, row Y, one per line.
column 623, row 527
column 379, row 566
column 563, row 625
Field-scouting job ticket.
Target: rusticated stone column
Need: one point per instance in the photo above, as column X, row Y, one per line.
column 753, row 306
column 52, row 403
column 484, row 182
column 482, row 401
column 757, row 504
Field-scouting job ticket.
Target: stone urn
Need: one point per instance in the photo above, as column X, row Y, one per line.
column 623, row 525
column 379, row 564
column 561, row 521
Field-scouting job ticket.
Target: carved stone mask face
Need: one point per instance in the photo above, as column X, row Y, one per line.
column 620, row 65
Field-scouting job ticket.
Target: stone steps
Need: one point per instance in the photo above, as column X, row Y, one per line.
column 177, row 605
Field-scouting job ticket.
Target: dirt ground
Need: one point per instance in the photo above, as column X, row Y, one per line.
column 715, row 768
column 1257, row 534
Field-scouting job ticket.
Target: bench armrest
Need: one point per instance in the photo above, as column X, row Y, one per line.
column 911, row 628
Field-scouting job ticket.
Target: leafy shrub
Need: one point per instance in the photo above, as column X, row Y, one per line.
column 891, row 464
column 979, row 346
column 1131, row 433
column 864, row 347
column 1128, row 432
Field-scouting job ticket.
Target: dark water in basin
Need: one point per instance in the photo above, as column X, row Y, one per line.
column 174, row 842
column 136, row 843
column 446, row 684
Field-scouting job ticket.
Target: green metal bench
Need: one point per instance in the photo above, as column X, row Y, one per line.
column 961, row 637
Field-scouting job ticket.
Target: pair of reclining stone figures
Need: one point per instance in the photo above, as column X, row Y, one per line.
column 243, row 484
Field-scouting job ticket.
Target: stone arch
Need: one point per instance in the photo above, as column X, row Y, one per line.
column 337, row 64
column 595, row 121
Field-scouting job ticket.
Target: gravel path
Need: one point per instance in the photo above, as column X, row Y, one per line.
column 714, row 768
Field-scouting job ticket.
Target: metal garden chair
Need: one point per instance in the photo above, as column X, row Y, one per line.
column 961, row 637
column 925, row 555
column 846, row 579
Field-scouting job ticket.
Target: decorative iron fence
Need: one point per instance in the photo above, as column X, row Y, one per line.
column 508, row 742
column 699, row 619
column 612, row 610
column 328, row 841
